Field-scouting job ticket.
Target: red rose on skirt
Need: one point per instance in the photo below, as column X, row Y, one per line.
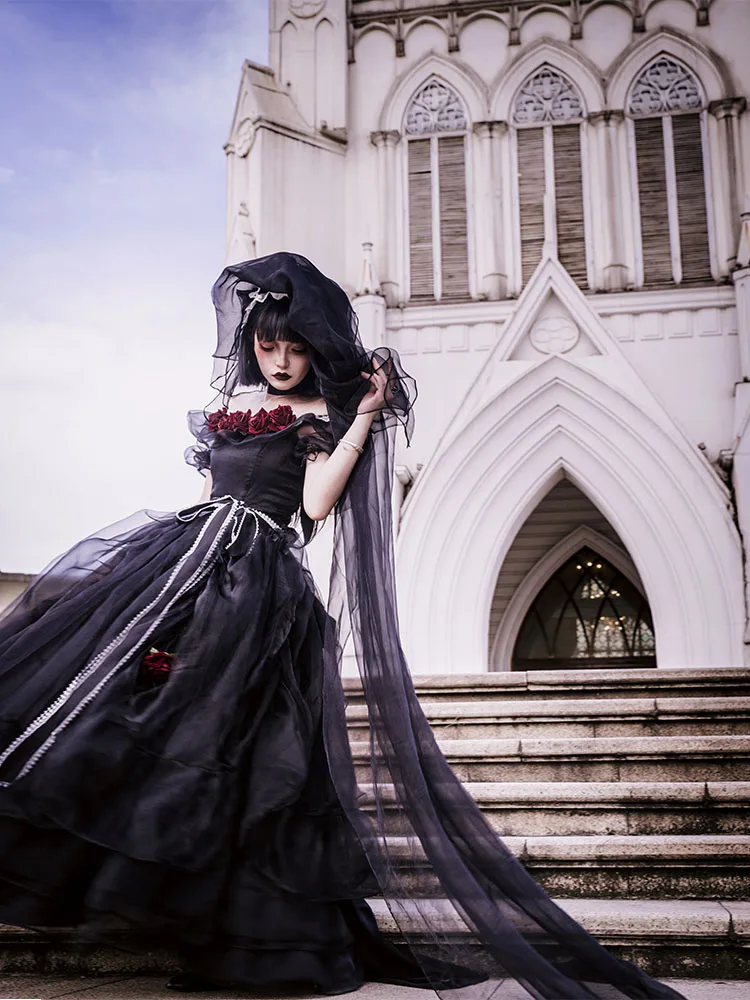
column 156, row 664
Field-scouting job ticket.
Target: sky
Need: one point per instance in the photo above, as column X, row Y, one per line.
column 112, row 229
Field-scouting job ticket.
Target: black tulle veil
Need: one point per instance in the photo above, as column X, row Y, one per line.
column 475, row 920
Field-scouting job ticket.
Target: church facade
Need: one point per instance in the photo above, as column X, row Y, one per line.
column 542, row 207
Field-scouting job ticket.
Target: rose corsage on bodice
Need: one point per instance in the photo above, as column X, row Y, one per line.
column 262, row 421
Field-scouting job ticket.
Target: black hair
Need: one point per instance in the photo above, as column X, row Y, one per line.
column 268, row 321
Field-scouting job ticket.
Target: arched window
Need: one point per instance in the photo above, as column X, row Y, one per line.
column 435, row 127
column 547, row 115
column 666, row 107
column 587, row 615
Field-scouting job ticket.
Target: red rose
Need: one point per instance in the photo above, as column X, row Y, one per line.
column 157, row 664
column 215, row 418
column 236, row 421
column 281, row 417
column 259, row 423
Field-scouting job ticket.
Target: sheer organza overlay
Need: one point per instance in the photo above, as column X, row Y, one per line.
column 216, row 810
column 471, row 914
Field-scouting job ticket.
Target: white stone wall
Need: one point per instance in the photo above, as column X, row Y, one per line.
column 632, row 397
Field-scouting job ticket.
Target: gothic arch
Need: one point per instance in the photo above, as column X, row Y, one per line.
column 424, row 116
column 426, row 19
column 460, row 78
column 374, row 26
column 622, row 4
column 489, row 473
column 526, row 592
column 543, row 8
column 693, row 97
column 581, row 71
column 711, row 72
column 479, row 15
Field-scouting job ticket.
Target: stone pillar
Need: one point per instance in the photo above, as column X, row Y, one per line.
column 369, row 303
column 727, row 112
column 488, row 219
column 605, row 125
column 741, row 278
column 741, row 458
column 388, row 212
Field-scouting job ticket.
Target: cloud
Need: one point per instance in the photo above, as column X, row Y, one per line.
column 112, row 239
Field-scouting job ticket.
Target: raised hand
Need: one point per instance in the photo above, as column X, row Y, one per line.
column 377, row 393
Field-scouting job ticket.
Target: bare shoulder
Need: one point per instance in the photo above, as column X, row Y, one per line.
column 316, row 406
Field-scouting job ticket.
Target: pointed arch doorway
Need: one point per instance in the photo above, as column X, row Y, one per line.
column 568, row 595
column 587, row 615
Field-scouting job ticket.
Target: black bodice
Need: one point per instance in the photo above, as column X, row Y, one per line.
column 267, row 471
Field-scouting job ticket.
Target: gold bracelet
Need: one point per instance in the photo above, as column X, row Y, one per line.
column 351, row 444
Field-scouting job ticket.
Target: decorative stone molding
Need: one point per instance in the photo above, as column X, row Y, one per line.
column 389, row 137
column 242, row 141
column 435, row 108
column 489, row 130
column 393, row 19
column 554, row 334
column 609, row 116
column 460, row 78
column 306, row 8
column 729, row 107
column 665, row 85
column 547, row 96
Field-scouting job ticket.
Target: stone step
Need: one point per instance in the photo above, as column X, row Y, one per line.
column 612, row 867
column 650, row 758
column 578, row 718
column 151, row 987
column 667, row 939
column 548, row 684
column 586, row 808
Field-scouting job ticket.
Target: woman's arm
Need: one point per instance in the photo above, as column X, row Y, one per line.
column 207, row 487
column 327, row 475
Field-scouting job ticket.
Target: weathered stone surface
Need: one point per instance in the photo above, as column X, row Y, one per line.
column 549, row 684
column 152, row 987
column 648, row 759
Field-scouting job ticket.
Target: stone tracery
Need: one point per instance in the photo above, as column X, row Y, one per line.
column 435, row 108
column 547, row 96
column 664, row 85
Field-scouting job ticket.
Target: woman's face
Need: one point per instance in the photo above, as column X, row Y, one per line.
column 282, row 364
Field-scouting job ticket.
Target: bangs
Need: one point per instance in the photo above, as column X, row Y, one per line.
column 272, row 323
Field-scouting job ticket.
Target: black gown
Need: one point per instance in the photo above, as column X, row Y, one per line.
column 186, row 800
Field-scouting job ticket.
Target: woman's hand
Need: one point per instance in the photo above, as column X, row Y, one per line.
column 378, row 390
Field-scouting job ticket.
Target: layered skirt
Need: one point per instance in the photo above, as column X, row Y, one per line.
column 164, row 775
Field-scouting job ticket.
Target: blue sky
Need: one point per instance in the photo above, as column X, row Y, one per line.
column 112, row 214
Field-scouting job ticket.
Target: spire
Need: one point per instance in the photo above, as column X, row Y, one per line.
column 368, row 283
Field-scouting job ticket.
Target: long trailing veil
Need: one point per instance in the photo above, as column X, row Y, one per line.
column 468, row 910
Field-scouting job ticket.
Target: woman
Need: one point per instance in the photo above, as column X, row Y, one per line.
column 176, row 768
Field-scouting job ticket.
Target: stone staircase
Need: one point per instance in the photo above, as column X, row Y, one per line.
column 626, row 793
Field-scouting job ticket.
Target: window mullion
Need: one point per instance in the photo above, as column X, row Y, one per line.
column 437, row 258
column 550, row 206
column 674, row 223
